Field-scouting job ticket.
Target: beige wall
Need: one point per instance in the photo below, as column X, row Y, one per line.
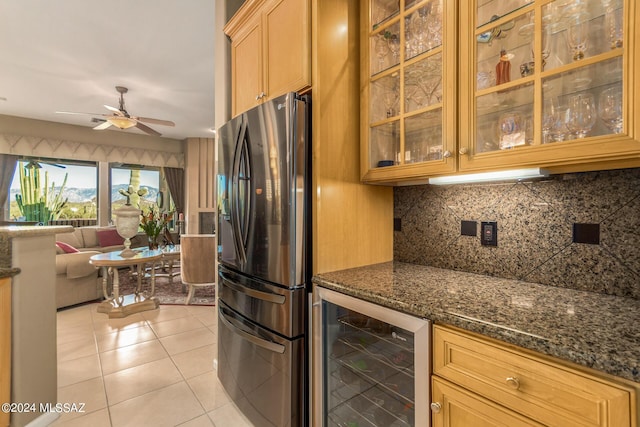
column 200, row 181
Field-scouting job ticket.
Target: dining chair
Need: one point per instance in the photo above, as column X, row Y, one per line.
column 197, row 261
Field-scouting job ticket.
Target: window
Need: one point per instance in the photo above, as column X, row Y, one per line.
column 45, row 190
column 138, row 178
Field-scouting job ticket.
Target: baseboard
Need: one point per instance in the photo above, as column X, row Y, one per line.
column 44, row 420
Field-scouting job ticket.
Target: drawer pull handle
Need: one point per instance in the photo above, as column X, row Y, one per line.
column 513, row 383
column 436, row 407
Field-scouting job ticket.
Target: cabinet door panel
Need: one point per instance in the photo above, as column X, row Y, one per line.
column 247, row 68
column 571, row 54
column 408, row 73
column 286, row 32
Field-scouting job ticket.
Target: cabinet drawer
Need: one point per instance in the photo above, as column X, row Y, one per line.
column 540, row 389
column 461, row 408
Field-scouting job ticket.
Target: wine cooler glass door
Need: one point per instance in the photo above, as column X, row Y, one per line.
column 374, row 365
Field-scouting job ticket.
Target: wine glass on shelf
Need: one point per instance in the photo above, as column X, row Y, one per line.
column 610, row 108
column 549, row 110
column 434, row 24
column 546, row 44
column 415, row 98
column 581, row 115
column 382, row 50
column 419, row 30
column 394, row 47
column 410, row 39
column 614, row 20
column 554, row 119
column 510, row 125
column 577, row 38
column 391, row 98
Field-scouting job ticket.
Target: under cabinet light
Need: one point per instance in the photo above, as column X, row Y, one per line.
column 508, row 175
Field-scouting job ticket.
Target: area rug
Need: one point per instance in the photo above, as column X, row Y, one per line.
column 167, row 292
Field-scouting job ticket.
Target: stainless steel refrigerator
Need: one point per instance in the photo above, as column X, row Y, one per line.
column 264, row 220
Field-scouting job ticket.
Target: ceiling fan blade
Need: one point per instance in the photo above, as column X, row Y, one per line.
column 156, row 121
column 84, row 114
column 102, row 125
column 147, row 129
column 115, row 110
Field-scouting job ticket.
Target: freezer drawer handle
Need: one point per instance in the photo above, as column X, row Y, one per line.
column 267, row 345
column 265, row 296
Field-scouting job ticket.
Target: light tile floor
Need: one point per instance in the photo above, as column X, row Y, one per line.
column 149, row 369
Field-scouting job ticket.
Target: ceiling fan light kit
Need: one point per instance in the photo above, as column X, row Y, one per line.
column 123, row 120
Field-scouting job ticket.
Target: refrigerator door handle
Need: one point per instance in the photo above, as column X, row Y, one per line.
column 260, row 342
column 261, row 295
column 236, row 225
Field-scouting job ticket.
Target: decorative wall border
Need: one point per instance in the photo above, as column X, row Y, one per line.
column 74, row 150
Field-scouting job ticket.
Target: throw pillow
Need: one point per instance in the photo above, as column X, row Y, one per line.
column 67, row 248
column 109, row 237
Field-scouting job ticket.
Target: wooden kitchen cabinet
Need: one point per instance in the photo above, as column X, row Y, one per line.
column 408, row 73
column 5, row 347
column 549, row 83
column 494, row 380
column 540, row 83
column 270, row 51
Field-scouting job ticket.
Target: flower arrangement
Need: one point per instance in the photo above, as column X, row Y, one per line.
column 153, row 223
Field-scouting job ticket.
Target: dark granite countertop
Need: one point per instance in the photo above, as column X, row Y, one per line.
column 594, row 330
column 9, row 232
column 34, row 230
column 8, row 272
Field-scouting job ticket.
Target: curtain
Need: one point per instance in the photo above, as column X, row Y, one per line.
column 7, row 169
column 175, row 181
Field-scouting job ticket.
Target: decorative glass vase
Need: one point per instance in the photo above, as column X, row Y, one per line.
column 153, row 242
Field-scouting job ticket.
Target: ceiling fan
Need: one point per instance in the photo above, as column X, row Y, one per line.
column 120, row 118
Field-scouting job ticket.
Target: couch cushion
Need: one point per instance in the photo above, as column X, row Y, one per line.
column 67, row 248
column 75, row 265
column 90, row 236
column 109, row 237
column 74, row 239
column 80, row 267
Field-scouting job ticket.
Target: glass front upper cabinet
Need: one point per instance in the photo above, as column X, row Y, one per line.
column 549, row 82
column 408, row 111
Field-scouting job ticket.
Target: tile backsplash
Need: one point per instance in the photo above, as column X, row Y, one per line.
column 535, row 230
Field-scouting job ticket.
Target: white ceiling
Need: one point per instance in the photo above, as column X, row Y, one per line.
column 68, row 55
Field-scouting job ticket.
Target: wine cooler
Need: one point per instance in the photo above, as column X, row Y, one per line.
column 371, row 364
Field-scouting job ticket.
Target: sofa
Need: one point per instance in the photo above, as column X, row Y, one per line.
column 78, row 281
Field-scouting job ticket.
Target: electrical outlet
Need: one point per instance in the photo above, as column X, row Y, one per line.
column 397, row 224
column 489, row 236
